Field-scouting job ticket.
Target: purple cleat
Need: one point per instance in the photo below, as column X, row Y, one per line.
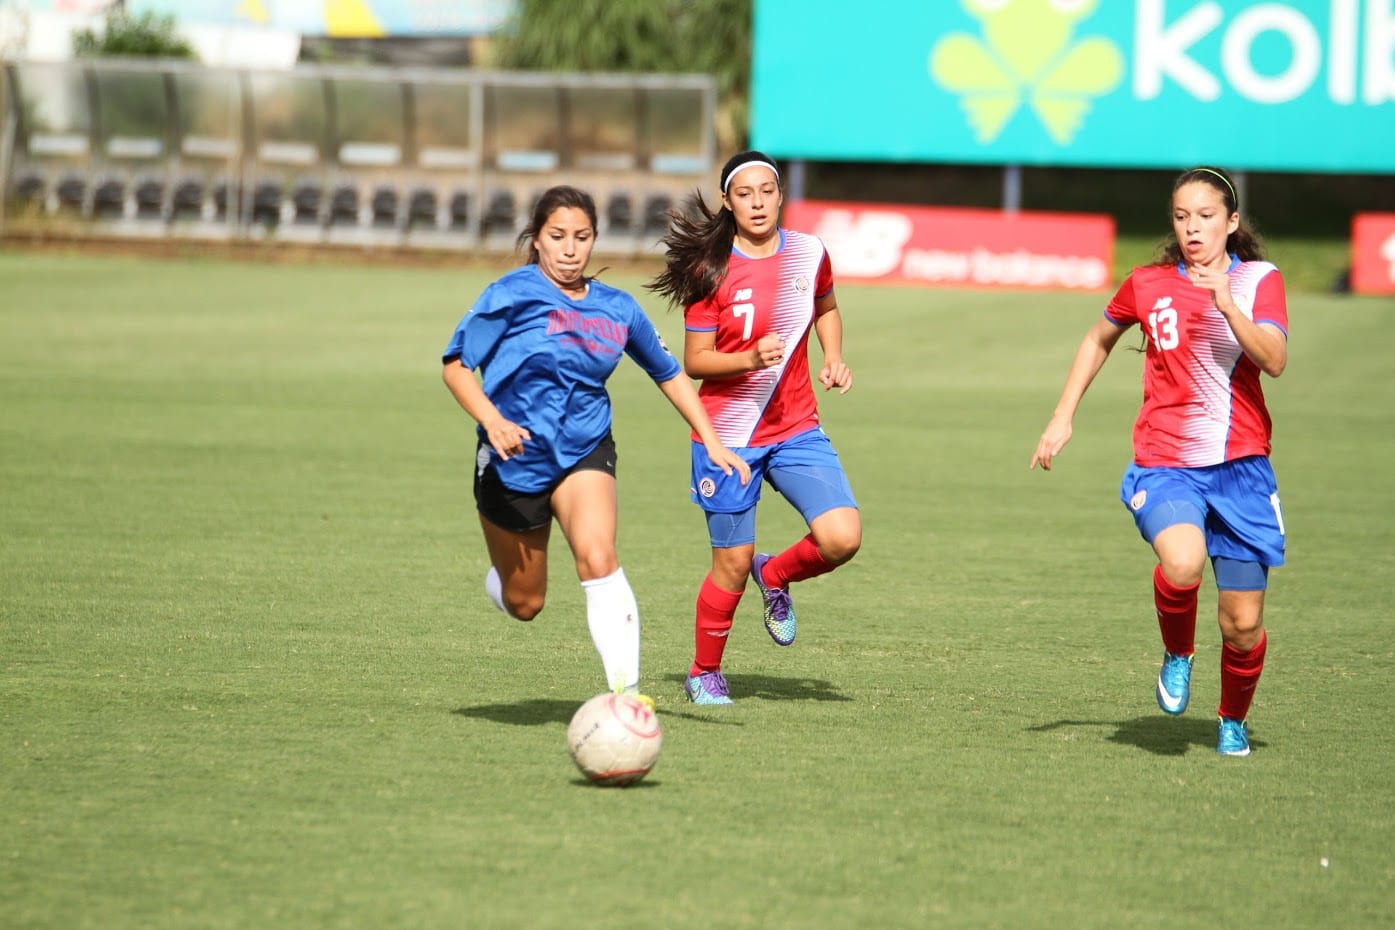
column 779, row 609
column 708, row 688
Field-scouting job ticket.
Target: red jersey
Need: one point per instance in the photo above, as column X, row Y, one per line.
column 1202, row 403
column 774, row 294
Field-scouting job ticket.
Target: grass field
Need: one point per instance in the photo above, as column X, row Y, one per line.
column 248, row 677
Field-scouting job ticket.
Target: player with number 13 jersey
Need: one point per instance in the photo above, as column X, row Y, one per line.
column 1200, row 486
column 1202, row 401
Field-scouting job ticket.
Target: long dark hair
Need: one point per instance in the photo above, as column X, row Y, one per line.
column 698, row 243
column 1244, row 243
column 554, row 198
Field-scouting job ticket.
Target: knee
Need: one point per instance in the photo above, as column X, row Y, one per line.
column 523, row 606
column 1243, row 640
column 839, row 547
column 1182, row 572
column 730, row 568
column 1243, row 631
column 840, row 550
column 596, row 563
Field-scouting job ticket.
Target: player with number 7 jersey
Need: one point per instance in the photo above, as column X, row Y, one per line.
column 760, row 297
column 751, row 293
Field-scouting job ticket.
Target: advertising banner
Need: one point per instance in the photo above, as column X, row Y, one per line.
column 960, row 247
column 1292, row 85
column 1373, row 253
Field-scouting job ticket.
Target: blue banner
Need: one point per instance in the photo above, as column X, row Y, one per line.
column 1298, row 85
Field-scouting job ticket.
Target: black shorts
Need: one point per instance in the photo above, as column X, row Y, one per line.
column 517, row 511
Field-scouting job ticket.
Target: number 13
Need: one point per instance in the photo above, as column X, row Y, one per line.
column 1163, row 324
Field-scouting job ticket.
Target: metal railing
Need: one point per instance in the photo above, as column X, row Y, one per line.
column 373, row 156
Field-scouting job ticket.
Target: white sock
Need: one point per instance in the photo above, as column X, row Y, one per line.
column 495, row 588
column 613, row 616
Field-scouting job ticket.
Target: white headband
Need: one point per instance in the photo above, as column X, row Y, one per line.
column 743, row 166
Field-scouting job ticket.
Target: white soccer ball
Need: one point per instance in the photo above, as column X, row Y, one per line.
column 614, row 739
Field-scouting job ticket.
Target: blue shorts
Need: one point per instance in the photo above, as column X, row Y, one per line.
column 804, row 468
column 1236, row 504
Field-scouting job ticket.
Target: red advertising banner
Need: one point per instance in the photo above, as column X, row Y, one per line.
column 1372, row 253
column 960, row 247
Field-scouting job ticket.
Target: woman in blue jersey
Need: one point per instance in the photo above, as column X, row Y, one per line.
column 544, row 338
column 1214, row 317
column 752, row 292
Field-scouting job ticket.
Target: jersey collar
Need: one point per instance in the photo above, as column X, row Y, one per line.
column 1234, row 263
column 778, row 250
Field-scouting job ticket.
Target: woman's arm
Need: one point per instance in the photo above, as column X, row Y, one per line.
column 1264, row 343
column 701, row 359
column 680, row 392
column 1089, row 359
column 828, row 326
column 505, row 436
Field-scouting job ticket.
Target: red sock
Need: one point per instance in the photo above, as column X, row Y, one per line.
column 797, row 563
column 1240, row 673
column 1176, row 614
column 715, row 609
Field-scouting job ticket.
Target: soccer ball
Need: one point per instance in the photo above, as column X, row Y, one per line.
column 614, row 739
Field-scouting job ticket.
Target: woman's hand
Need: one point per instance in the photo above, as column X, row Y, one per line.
column 1052, row 441
column 1217, row 282
column 770, row 350
column 506, row 437
column 728, row 461
column 836, row 374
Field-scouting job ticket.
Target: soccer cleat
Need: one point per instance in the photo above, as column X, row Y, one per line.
column 1233, row 738
column 708, row 688
column 779, row 609
column 633, row 691
column 1174, row 683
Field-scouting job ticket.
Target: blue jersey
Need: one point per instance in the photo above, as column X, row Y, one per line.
column 545, row 358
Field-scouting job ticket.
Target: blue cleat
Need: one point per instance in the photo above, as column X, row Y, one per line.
column 1234, row 737
column 779, row 609
column 708, row 688
column 1174, row 683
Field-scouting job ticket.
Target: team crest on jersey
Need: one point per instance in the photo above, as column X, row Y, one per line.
column 1138, row 500
column 707, row 487
column 801, row 283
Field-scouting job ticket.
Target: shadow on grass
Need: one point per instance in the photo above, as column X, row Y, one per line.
column 1155, row 733
column 536, row 712
column 532, row 712
column 643, row 785
column 774, row 688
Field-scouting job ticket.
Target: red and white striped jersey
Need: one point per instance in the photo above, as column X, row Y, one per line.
column 774, row 294
column 1202, row 401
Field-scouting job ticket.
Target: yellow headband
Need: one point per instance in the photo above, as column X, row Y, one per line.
column 1233, row 196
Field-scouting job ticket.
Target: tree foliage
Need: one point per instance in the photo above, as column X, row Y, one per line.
column 647, row 36
column 145, row 36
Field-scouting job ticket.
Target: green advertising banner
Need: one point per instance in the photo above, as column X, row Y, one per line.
column 1300, row 85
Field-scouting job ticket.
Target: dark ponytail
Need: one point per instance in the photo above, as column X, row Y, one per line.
column 698, row 246
column 699, row 239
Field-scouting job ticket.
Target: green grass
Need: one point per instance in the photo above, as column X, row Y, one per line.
column 248, row 677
